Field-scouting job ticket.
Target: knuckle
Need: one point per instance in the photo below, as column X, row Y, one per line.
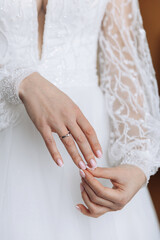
column 68, row 116
column 119, row 207
column 116, row 207
column 76, row 157
column 41, row 123
column 66, row 113
column 90, row 131
column 96, row 215
column 49, row 140
column 56, row 125
column 93, row 210
column 71, row 122
column 68, row 142
column 43, row 128
column 76, row 108
column 89, row 156
column 122, row 201
column 80, row 139
column 100, row 192
column 96, row 145
column 93, row 198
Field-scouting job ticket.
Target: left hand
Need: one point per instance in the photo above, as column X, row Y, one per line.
column 126, row 180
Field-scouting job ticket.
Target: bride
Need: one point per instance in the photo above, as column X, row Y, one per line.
column 76, row 85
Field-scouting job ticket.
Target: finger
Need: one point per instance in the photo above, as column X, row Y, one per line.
column 83, row 209
column 46, row 133
column 118, row 194
column 90, row 134
column 94, row 209
column 83, row 145
column 96, row 199
column 107, row 173
column 101, row 191
column 71, row 148
column 112, row 174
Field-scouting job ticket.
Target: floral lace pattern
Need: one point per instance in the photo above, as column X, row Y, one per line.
column 128, row 82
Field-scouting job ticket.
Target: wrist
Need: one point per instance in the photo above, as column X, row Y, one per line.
column 26, row 84
column 138, row 172
column 141, row 174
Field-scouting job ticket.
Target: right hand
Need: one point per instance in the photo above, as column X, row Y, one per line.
column 51, row 110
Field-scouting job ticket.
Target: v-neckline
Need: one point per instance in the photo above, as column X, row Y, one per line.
column 40, row 58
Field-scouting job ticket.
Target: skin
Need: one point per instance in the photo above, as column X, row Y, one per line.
column 45, row 105
column 126, row 179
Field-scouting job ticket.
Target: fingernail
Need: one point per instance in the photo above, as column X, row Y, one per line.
column 81, row 187
column 90, row 168
column 99, row 154
column 82, row 173
column 93, row 163
column 82, row 165
column 60, row 163
column 78, row 208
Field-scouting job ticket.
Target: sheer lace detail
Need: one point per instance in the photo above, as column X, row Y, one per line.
column 10, row 104
column 10, row 84
column 128, row 81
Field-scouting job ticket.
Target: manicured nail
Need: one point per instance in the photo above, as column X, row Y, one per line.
column 81, row 187
column 82, row 173
column 90, row 168
column 60, row 163
column 82, row 165
column 99, row 154
column 93, row 163
column 78, row 208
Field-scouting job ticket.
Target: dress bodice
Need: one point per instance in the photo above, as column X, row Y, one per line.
column 69, row 50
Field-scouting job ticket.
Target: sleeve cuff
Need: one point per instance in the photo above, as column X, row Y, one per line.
column 10, row 84
column 143, row 160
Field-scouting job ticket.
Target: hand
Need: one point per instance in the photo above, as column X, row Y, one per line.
column 126, row 180
column 51, row 110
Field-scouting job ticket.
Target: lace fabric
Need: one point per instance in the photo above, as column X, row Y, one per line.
column 128, row 81
column 15, row 60
column 10, row 103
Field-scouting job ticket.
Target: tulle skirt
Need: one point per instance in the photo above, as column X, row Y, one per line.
column 38, row 198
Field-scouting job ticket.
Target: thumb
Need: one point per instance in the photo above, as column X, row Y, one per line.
column 101, row 172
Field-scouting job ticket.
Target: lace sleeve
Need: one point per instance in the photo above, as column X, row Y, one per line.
column 12, row 72
column 127, row 79
column 10, row 81
column 10, row 104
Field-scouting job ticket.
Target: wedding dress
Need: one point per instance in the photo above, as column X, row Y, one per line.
column 119, row 96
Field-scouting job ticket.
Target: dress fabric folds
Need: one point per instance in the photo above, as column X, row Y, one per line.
column 119, row 97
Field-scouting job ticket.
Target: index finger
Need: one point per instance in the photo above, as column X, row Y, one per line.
column 101, row 191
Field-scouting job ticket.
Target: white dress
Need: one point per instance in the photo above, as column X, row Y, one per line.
column 37, row 198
